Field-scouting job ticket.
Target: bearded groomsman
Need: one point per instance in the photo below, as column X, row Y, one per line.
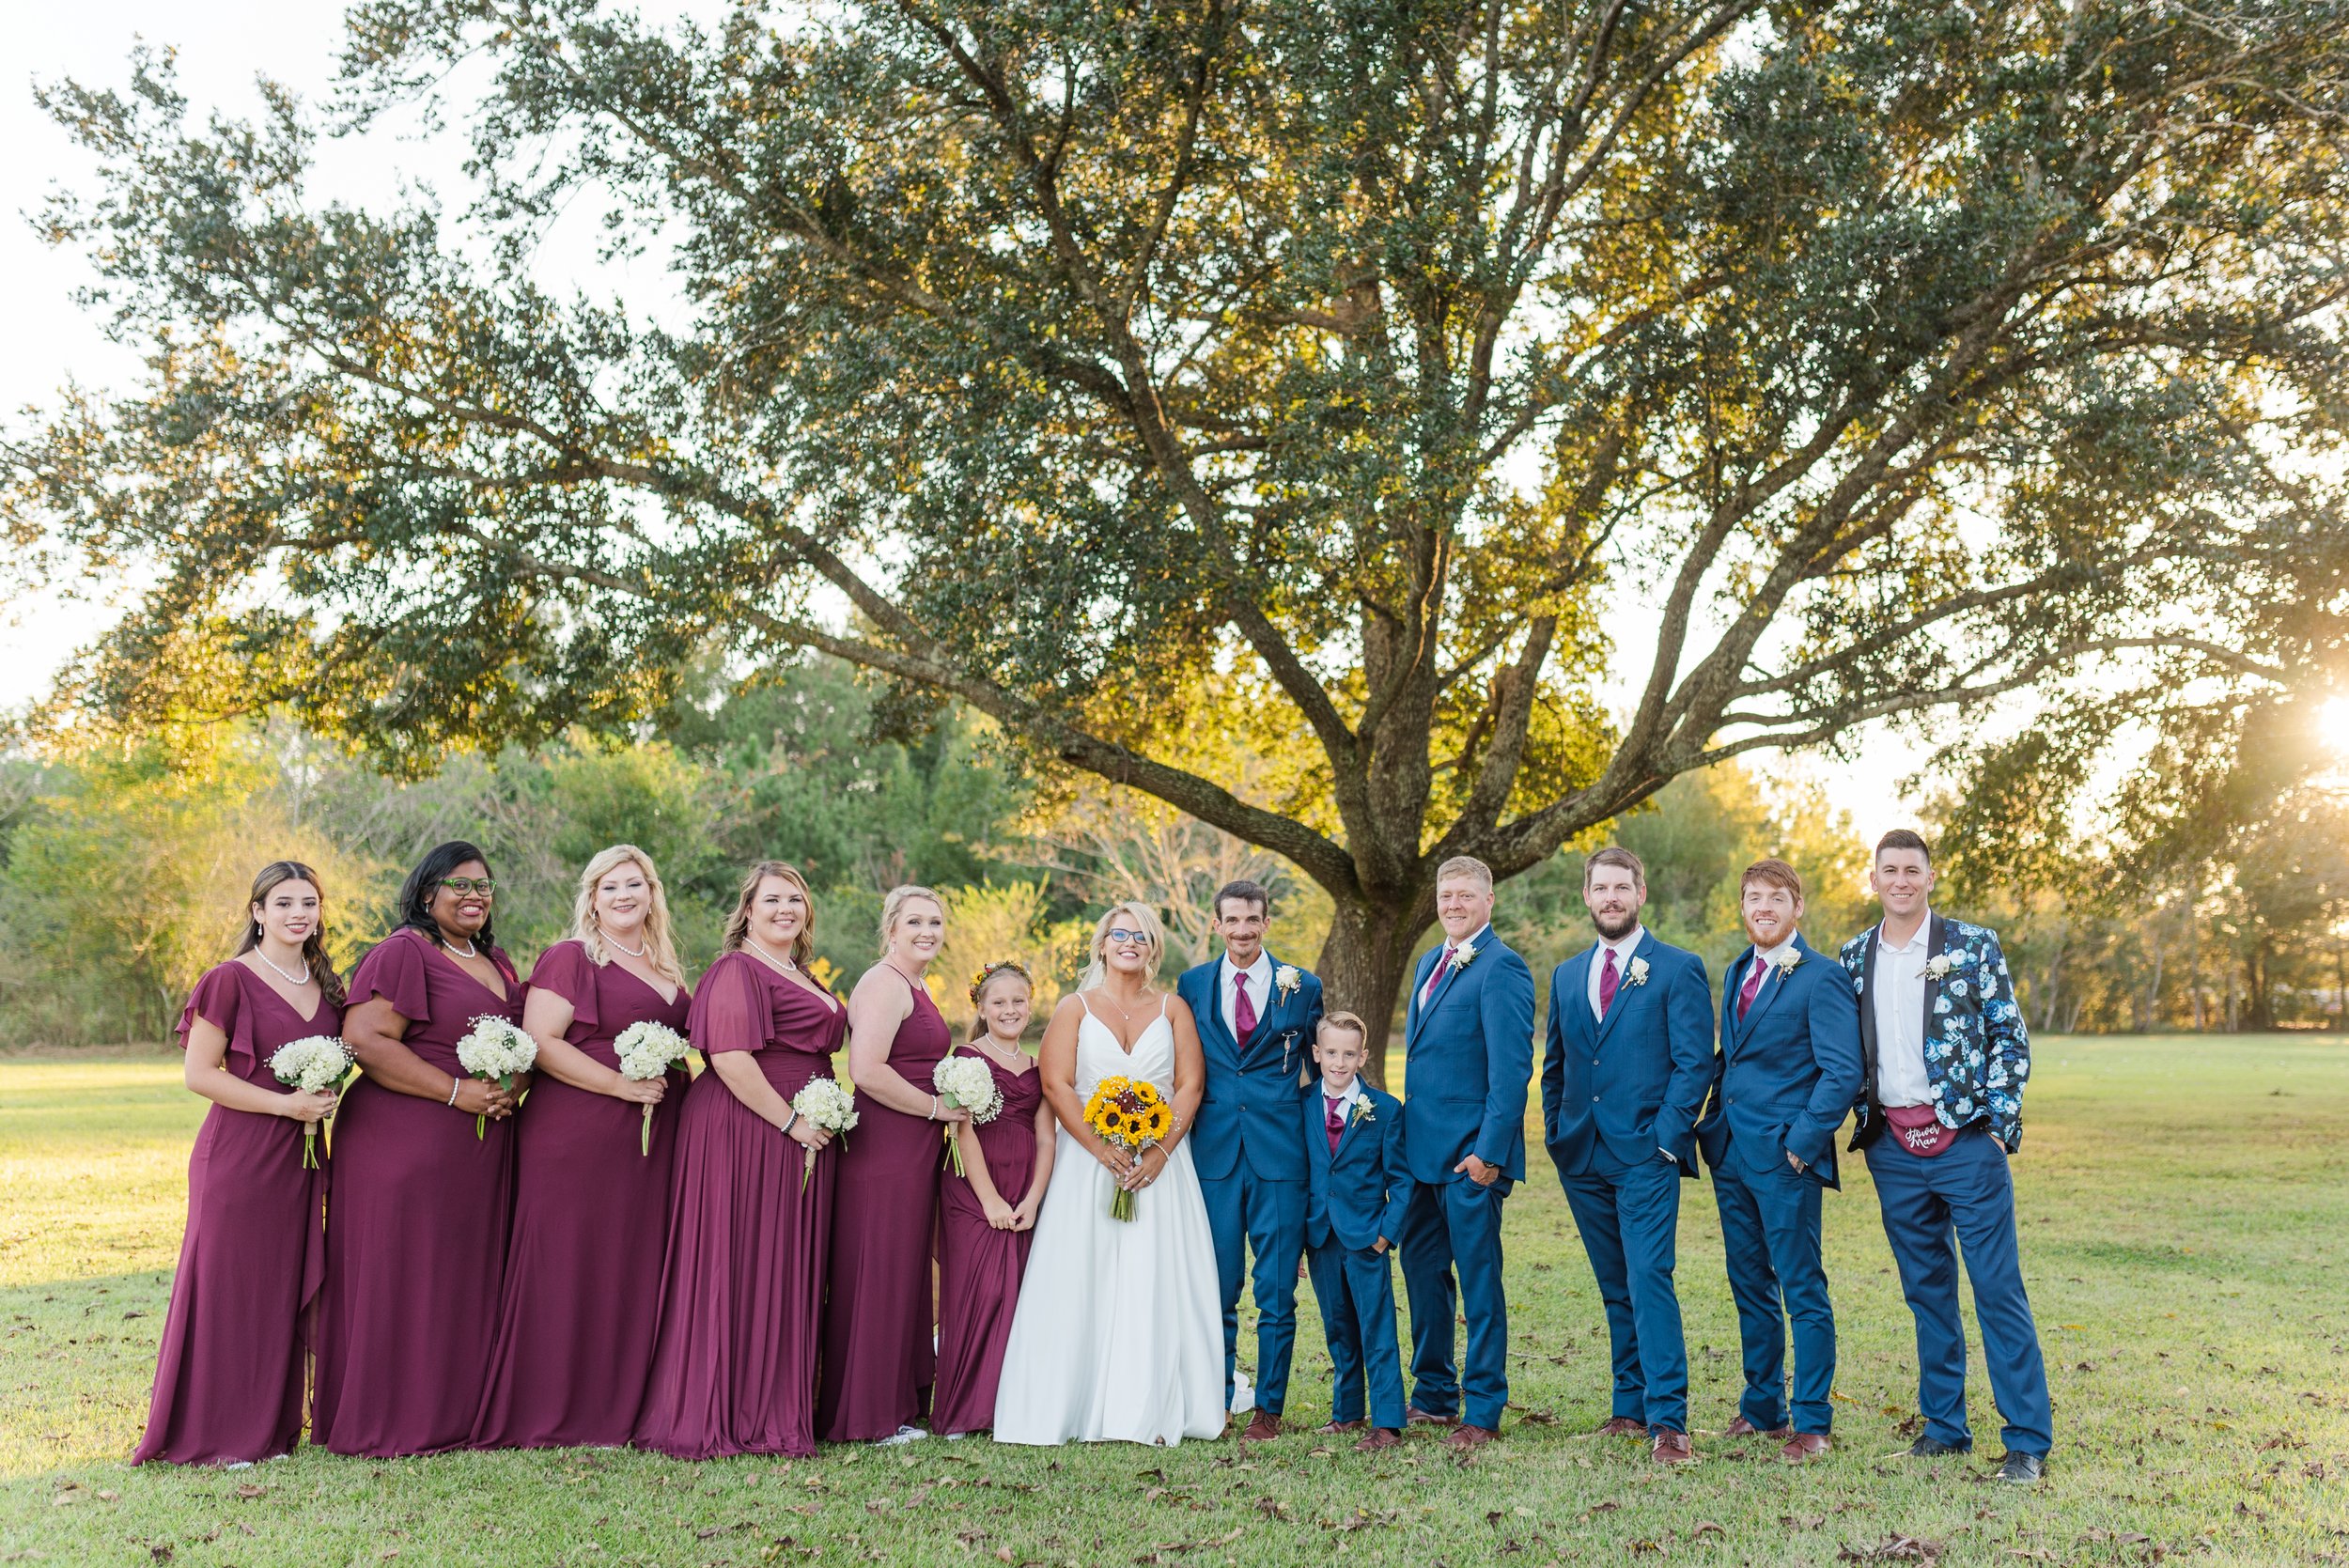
column 1789, row 1070
column 1468, row 1042
column 1625, row 1074
column 1256, row 1019
column 1940, row 1109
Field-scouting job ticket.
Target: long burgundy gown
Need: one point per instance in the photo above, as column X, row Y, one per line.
column 416, row 1239
column 234, row 1362
column 591, row 1223
column 742, row 1289
column 979, row 1267
column 879, row 1358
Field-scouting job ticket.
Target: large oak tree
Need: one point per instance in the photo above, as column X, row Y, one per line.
column 1148, row 375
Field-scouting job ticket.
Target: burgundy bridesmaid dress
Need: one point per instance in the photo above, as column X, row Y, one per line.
column 415, row 1239
column 236, row 1347
column 591, row 1223
column 742, row 1290
column 879, row 1355
column 979, row 1267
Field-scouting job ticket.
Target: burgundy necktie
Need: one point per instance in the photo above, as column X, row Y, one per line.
column 1243, row 1010
column 1336, row 1123
column 1443, row 964
column 1752, row 988
column 1608, row 981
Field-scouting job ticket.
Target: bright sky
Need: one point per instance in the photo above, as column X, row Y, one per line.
column 223, row 45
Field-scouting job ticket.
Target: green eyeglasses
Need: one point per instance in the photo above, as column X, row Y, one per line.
column 461, row 885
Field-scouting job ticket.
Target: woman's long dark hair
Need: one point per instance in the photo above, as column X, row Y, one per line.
column 416, row 894
column 314, row 945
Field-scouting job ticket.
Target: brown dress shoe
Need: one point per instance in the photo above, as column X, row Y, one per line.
column 1380, row 1437
column 1671, row 1448
column 1418, row 1417
column 1331, row 1429
column 1805, row 1446
column 1466, row 1439
column 1622, row 1426
column 1262, row 1428
column 1744, row 1428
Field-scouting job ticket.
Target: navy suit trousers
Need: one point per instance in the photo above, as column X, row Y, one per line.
column 1965, row 1196
column 1268, row 1219
column 1454, row 1228
column 1770, row 1232
column 1354, row 1287
column 1630, row 1216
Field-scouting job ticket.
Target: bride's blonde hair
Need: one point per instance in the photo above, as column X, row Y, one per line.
column 1134, row 917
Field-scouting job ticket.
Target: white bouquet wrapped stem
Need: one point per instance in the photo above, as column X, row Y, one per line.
column 498, row 1048
column 966, row 1083
column 310, row 1064
column 646, row 1052
column 823, row 1102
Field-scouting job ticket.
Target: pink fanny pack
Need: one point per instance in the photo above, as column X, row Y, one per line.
column 1918, row 1129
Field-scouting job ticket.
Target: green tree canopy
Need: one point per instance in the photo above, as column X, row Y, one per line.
column 1093, row 364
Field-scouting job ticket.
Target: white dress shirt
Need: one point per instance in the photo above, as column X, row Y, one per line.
column 1259, row 989
column 1768, row 959
column 1899, row 999
column 1622, row 946
column 1343, row 1102
column 1427, row 992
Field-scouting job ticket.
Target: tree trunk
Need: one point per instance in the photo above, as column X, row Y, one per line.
column 2340, row 979
column 1364, row 965
column 2262, row 1013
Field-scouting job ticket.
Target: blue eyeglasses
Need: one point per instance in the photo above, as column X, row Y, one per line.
column 1119, row 934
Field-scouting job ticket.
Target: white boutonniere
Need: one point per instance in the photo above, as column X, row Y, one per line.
column 1637, row 973
column 1285, row 980
column 1363, row 1111
column 1463, row 956
column 1937, row 968
column 1787, row 963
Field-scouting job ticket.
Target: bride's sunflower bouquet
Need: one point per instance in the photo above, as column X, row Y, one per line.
column 1131, row 1113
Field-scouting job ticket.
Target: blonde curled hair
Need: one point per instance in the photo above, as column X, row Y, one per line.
column 739, row 922
column 894, row 903
column 587, row 925
column 1140, row 917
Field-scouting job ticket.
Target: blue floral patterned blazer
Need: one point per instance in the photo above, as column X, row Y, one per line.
column 1977, row 1049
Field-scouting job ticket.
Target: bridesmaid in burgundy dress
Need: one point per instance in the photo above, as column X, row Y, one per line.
column 415, row 1246
column 879, row 1355
column 591, row 1207
column 236, row 1349
column 987, row 1219
column 742, row 1290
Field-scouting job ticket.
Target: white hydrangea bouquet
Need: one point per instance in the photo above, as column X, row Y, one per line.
column 966, row 1083
column 495, row 1048
column 829, row 1107
column 309, row 1065
column 646, row 1052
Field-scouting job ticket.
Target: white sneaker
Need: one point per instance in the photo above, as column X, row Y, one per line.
column 1243, row 1392
column 957, row 1437
column 903, row 1434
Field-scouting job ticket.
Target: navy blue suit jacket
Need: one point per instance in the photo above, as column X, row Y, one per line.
column 1248, row 1110
column 1789, row 1071
column 1470, row 1055
column 1357, row 1194
column 1634, row 1082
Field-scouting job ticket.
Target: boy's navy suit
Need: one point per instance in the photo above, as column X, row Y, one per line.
column 1790, row 1069
column 1621, row 1094
column 1357, row 1194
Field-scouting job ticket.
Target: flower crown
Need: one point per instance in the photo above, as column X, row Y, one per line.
column 989, row 971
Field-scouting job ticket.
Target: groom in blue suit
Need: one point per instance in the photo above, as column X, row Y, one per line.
column 1256, row 1018
column 1625, row 1077
column 1790, row 1070
column 1468, row 1042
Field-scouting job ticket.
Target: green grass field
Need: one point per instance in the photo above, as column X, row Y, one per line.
column 2184, row 1210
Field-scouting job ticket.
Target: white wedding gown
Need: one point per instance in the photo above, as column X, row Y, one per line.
column 1117, row 1336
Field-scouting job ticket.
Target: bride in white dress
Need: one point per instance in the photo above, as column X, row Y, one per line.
column 1118, row 1336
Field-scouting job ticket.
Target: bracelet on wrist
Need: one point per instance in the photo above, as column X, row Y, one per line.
column 454, row 1083
column 790, row 1119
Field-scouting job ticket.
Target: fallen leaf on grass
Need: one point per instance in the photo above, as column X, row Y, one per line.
column 1893, row 1548
column 1707, row 1526
column 251, row 1490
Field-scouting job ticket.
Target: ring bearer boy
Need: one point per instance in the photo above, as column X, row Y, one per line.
column 1360, row 1187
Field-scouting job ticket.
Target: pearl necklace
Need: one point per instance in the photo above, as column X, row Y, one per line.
column 292, row 978
column 471, row 950
column 785, row 964
column 613, row 942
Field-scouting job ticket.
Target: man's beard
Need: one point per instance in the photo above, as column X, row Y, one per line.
column 1615, row 927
